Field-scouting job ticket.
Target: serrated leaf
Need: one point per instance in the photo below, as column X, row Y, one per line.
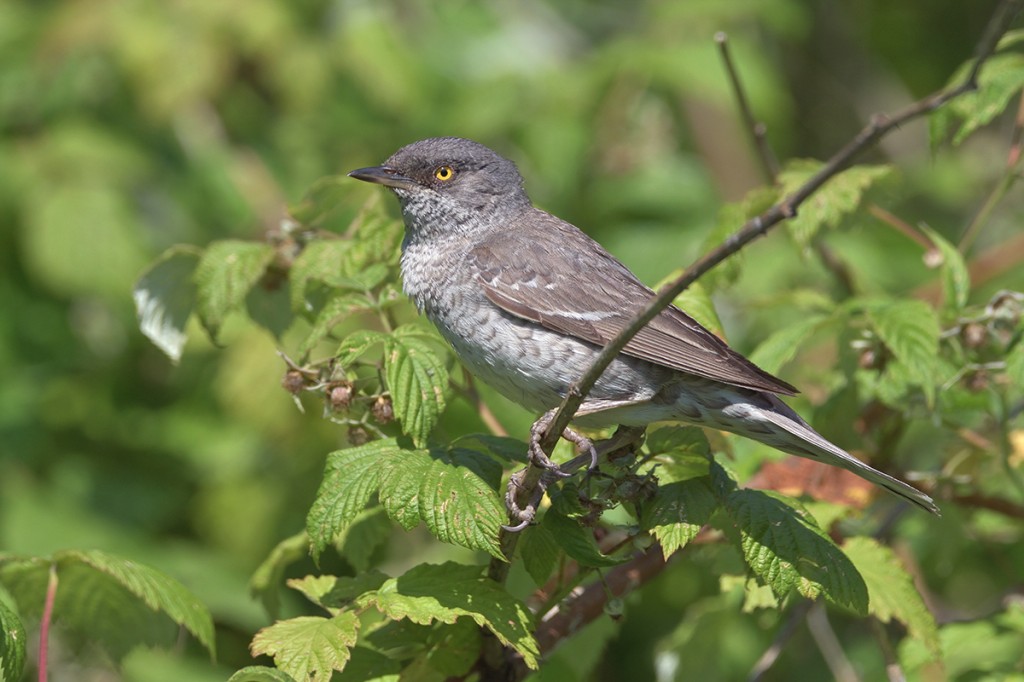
column 320, row 260
column 678, row 511
column 680, row 440
column 540, row 552
column 418, row 382
column 12, row 644
column 446, row 592
column 910, row 330
column 777, row 350
column 837, row 198
column 115, row 603
column 503, row 448
column 346, row 589
column 266, row 580
column 446, row 491
column 164, row 298
column 158, row 591
column 356, row 344
column 334, row 312
column 226, row 272
column 260, row 673
column 956, row 280
column 351, row 477
column 574, row 539
column 309, row 648
column 891, row 591
column 784, row 547
column 1000, row 80
column 314, row 587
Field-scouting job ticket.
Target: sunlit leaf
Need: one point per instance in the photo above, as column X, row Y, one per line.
column 309, row 648
column 417, row 378
column 782, row 346
column 784, row 547
column 12, row 643
column 445, row 592
column 837, row 198
column 678, row 511
column 956, row 280
column 891, row 591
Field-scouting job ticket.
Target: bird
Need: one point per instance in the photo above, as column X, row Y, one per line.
column 528, row 300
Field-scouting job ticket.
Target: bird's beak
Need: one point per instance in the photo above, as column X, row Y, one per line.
column 382, row 175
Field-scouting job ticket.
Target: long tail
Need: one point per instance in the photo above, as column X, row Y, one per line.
column 767, row 419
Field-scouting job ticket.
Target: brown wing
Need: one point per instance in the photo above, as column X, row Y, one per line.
column 551, row 273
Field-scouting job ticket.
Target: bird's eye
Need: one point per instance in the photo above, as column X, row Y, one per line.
column 444, row 173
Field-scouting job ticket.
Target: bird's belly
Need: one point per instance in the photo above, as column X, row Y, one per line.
column 531, row 365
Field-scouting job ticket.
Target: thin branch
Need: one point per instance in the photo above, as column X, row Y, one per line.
column 771, row 654
column 893, row 670
column 825, row 637
column 758, row 130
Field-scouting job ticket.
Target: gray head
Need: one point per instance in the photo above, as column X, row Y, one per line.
column 450, row 185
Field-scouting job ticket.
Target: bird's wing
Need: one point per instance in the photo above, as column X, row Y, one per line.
column 568, row 283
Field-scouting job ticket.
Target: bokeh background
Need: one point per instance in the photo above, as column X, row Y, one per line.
column 128, row 126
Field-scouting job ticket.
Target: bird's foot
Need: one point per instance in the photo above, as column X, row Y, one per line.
column 541, row 459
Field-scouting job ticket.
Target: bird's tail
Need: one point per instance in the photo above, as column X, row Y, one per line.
column 767, row 419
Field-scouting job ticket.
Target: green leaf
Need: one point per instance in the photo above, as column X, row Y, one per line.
column 784, row 547
column 778, row 349
column 837, row 198
column 12, row 643
column 309, row 647
column 361, row 539
column 112, row 601
column 418, row 381
column 321, row 260
column 356, row 344
column 683, row 441
column 448, row 492
column 267, row 579
column 540, row 552
column 1000, row 80
column 453, row 649
column 157, row 590
column 678, row 511
column 956, row 280
column 334, row 312
column 345, row 589
column 575, row 540
column 445, row 592
column 367, row 665
column 164, row 297
column 351, row 477
column 260, row 673
column 891, row 591
column 910, row 330
column 226, row 272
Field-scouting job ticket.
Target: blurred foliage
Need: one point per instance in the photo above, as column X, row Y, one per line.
column 128, row 127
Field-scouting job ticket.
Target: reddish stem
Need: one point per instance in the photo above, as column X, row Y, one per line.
column 44, row 626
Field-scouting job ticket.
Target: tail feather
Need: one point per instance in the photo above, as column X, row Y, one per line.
column 783, row 429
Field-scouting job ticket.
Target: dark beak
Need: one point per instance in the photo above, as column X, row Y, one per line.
column 382, row 175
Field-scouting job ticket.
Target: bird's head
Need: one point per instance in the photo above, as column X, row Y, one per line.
column 449, row 184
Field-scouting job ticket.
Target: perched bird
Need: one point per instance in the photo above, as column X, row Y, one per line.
column 528, row 300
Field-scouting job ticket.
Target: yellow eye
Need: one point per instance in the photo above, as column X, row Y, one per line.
column 444, row 173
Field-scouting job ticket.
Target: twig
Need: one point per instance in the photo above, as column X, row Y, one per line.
column 825, row 637
column 901, row 226
column 486, row 415
column 771, row 654
column 893, row 670
column 1010, row 175
column 758, row 130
